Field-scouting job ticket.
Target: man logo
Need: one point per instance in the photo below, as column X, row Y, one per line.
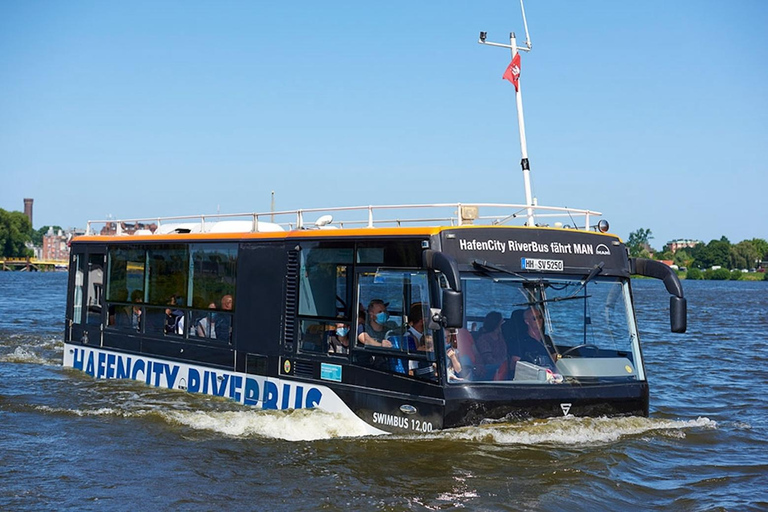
column 603, row 249
column 566, row 409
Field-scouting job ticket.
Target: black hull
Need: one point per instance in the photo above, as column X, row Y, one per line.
column 475, row 404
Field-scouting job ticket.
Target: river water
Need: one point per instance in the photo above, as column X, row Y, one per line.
column 70, row 442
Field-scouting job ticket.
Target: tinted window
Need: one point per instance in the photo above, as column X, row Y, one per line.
column 168, row 269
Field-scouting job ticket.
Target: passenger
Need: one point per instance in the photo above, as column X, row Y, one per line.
column 174, row 316
column 492, row 348
column 338, row 340
column 420, row 342
column 136, row 321
column 223, row 321
column 452, row 363
column 205, row 326
column 533, row 342
column 375, row 329
column 468, row 355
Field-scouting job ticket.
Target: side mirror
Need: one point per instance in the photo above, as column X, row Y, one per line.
column 678, row 314
column 453, row 309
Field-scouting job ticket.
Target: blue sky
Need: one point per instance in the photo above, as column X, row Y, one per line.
column 654, row 113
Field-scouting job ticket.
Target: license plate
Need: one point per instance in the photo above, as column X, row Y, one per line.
column 539, row 264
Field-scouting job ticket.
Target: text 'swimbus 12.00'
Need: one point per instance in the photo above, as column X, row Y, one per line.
column 405, row 326
column 428, row 317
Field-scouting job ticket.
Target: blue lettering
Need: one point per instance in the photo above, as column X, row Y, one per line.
column 170, row 375
column 270, row 396
column 137, row 367
column 158, row 369
column 286, row 396
column 101, row 366
column 235, row 384
column 314, row 396
column 206, row 376
column 251, row 396
column 193, row 378
column 299, row 396
column 89, row 365
column 110, row 366
column 123, row 368
column 221, row 388
column 79, row 359
column 148, row 376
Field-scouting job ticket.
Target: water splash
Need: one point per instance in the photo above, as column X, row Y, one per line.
column 576, row 431
column 292, row 425
column 23, row 354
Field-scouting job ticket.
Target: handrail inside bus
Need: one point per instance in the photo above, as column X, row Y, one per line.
column 369, row 216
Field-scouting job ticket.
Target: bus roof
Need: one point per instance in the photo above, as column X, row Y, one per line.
column 350, row 221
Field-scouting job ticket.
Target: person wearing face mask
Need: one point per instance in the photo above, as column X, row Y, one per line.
column 376, row 327
column 420, row 342
column 338, row 340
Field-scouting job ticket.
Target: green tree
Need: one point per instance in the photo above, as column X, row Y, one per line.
column 761, row 246
column 15, row 231
column 694, row 273
column 716, row 252
column 736, row 275
column 743, row 255
column 721, row 274
column 683, row 258
column 638, row 243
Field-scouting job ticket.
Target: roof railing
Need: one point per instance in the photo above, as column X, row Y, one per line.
column 370, row 216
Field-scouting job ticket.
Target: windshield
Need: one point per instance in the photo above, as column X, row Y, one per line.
column 547, row 331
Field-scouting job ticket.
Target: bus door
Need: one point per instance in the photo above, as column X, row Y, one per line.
column 85, row 313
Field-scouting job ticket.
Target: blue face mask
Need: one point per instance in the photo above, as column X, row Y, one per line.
column 382, row 317
column 341, row 331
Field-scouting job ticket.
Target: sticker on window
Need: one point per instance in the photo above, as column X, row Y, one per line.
column 539, row 264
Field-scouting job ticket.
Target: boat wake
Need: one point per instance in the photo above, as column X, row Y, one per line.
column 577, row 431
column 21, row 348
column 291, row 425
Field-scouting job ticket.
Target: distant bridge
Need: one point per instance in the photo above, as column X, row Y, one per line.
column 32, row 264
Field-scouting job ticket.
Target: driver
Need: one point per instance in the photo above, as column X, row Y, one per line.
column 533, row 342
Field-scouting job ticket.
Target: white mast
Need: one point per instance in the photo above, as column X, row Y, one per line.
column 520, row 118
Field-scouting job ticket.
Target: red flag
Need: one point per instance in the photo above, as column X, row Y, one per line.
column 513, row 72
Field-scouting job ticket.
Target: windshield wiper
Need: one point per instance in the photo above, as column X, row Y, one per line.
column 554, row 299
column 488, row 268
column 592, row 273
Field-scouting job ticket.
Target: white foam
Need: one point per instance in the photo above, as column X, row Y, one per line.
column 290, row 425
column 24, row 355
column 571, row 430
column 103, row 411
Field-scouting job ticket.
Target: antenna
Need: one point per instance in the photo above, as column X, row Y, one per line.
column 515, row 74
column 272, row 208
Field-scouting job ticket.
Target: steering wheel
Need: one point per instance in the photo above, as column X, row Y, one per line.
column 577, row 347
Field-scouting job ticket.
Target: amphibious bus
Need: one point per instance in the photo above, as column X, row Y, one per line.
column 427, row 317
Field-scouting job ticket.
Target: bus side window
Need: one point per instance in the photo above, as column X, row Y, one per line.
column 385, row 330
column 324, row 297
column 95, row 288
column 77, row 293
column 324, row 289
